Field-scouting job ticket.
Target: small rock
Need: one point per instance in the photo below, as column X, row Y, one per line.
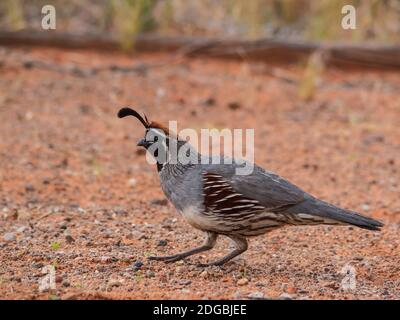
column 138, row 235
column 103, row 287
column 137, row 265
column 29, row 187
column 69, row 238
column 242, row 282
column 204, row 274
column 150, row 274
column 162, row 243
column 114, row 283
column 105, row 259
column 159, row 202
column 365, row 207
column 21, row 229
column 184, row 282
column 132, row 182
column 160, row 92
column 286, row 296
column 234, row 105
column 85, row 108
column 208, row 102
column 101, row 269
column 28, row 64
column 9, row 236
column 256, row 295
column 65, row 284
column 179, row 269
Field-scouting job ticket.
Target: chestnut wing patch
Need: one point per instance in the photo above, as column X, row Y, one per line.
column 221, row 199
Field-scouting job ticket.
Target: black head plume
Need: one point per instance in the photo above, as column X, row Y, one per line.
column 129, row 112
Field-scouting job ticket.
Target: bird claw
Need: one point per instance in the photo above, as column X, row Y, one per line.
column 166, row 259
column 211, row 264
column 202, row 265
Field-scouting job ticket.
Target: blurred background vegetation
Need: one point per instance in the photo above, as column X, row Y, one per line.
column 377, row 20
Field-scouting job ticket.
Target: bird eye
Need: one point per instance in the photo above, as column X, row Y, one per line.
column 155, row 138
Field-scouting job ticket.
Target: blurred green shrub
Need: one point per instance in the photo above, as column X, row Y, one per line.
column 304, row 19
column 13, row 14
column 131, row 17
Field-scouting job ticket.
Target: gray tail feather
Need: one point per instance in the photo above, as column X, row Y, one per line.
column 325, row 210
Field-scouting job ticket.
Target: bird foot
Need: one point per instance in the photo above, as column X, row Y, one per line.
column 211, row 264
column 166, row 258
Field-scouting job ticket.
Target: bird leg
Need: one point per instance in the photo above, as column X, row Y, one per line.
column 209, row 243
column 241, row 246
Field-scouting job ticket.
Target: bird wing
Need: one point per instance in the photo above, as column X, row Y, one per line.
column 261, row 187
column 281, row 199
column 221, row 199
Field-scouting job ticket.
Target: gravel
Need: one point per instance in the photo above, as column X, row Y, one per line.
column 9, row 236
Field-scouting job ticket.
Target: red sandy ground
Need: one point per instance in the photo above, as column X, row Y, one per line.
column 67, row 164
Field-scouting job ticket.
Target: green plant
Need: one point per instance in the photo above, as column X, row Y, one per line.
column 312, row 72
column 325, row 19
column 131, row 17
column 251, row 14
column 55, row 245
column 14, row 14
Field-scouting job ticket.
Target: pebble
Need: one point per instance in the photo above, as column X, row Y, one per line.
column 256, row 295
column 29, row 187
column 204, row 274
column 159, row 202
column 210, row 101
column 138, row 235
column 242, row 282
column 105, row 259
column 160, row 92
column 184, row 282
column 9, row 236
column 21, row 229
column 69, row 238
column 137, row 265
column 234, row 105
column 150, row 274
column 179, row 269
column 114, row 283
column 162, row 243
column 132, row 182
column 365, row 207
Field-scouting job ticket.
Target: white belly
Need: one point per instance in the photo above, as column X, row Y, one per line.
column 197, row 219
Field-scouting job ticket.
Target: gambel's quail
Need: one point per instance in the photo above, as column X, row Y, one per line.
column 215, row 199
